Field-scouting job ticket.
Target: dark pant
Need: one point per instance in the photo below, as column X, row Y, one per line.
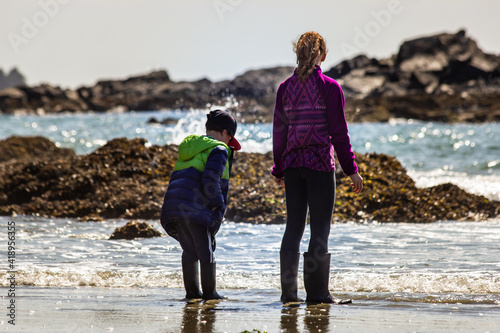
column 314, row 189
column 196, row 242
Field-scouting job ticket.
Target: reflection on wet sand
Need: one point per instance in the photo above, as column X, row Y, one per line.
column 199, row 317
column 289, row 319
column 316, row 318
column 253, row 310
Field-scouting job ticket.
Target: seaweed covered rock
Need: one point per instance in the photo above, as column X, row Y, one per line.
column 19, row 147
column 127, row 178
column 135, row 229
column 253, row 194
column 124, row 178
column 390, row 195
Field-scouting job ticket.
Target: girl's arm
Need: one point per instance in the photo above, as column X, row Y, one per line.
column 337, row 128
column 280, row 133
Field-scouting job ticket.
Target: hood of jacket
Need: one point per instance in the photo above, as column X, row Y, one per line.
column 194, row 150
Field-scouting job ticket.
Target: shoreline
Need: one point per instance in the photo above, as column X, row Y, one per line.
column 85, row 309
column 433, row 278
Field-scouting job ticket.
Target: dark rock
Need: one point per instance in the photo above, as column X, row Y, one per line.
column 432, row 72
column 259, row 83
column 128, row 94
column 13, row 100
column 165, row 121
column 153, row 120
column 346, row 66
column 127, row 179
column 392, row 196
column 169, row 121
column 251, row 95
column 30, row 148
column 424, row 80
column 122, row 178
column 12, row 79
column 153, row 77
column 135, row 229
column 47, row 99
column 456, row 58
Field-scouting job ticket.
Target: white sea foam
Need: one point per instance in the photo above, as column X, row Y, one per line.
column 351, row 282
column 473, row 283
column 487, row 185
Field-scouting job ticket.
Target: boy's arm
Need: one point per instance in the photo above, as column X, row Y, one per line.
column 211, row 178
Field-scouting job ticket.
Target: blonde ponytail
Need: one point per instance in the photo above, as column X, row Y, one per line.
column 308, row 48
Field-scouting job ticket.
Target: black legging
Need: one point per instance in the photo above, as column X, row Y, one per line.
column 196, row 242
column 314, row 189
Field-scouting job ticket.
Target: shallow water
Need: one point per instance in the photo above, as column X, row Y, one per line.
column 438, row 277
column 458, row 261
column 96, row 309
column 400, row 276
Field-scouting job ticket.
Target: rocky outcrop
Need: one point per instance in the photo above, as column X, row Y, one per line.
column 31, row 148
column 444, row 77
column 40, row 99
column 128, row 179
column 12, row 79
column 135, row 229
column 250, row 96
column 121, row 179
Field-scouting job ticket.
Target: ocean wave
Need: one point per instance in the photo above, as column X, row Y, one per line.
column 486, row 185
column 467, row 284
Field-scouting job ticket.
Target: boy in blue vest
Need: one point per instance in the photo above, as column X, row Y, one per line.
column 196, row 199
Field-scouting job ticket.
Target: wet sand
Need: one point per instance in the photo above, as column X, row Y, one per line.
column 91, row 309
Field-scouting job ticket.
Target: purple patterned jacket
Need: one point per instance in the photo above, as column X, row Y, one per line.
column 309, row 124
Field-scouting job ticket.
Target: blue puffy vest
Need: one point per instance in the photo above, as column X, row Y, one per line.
column 198, row 188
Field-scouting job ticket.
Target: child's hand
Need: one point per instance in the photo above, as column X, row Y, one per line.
column 357, row 183
column 280, row 181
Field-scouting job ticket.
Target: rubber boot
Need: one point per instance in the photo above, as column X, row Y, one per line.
column 289, row 268
column 316, row 278
column 208, row 281
column 191, row 277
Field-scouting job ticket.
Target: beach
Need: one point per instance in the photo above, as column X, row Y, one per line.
column 402, row 277
column 440, row 277
column 87, row 309
column 87, row 151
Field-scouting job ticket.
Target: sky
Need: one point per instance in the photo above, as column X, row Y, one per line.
column 72, row 43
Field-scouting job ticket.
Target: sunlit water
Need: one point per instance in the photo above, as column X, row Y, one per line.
column 439, row 262
column 433, row 153
column 448, row 270
column 439, row 277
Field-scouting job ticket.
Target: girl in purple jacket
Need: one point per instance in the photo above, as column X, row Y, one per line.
column 309, row 125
